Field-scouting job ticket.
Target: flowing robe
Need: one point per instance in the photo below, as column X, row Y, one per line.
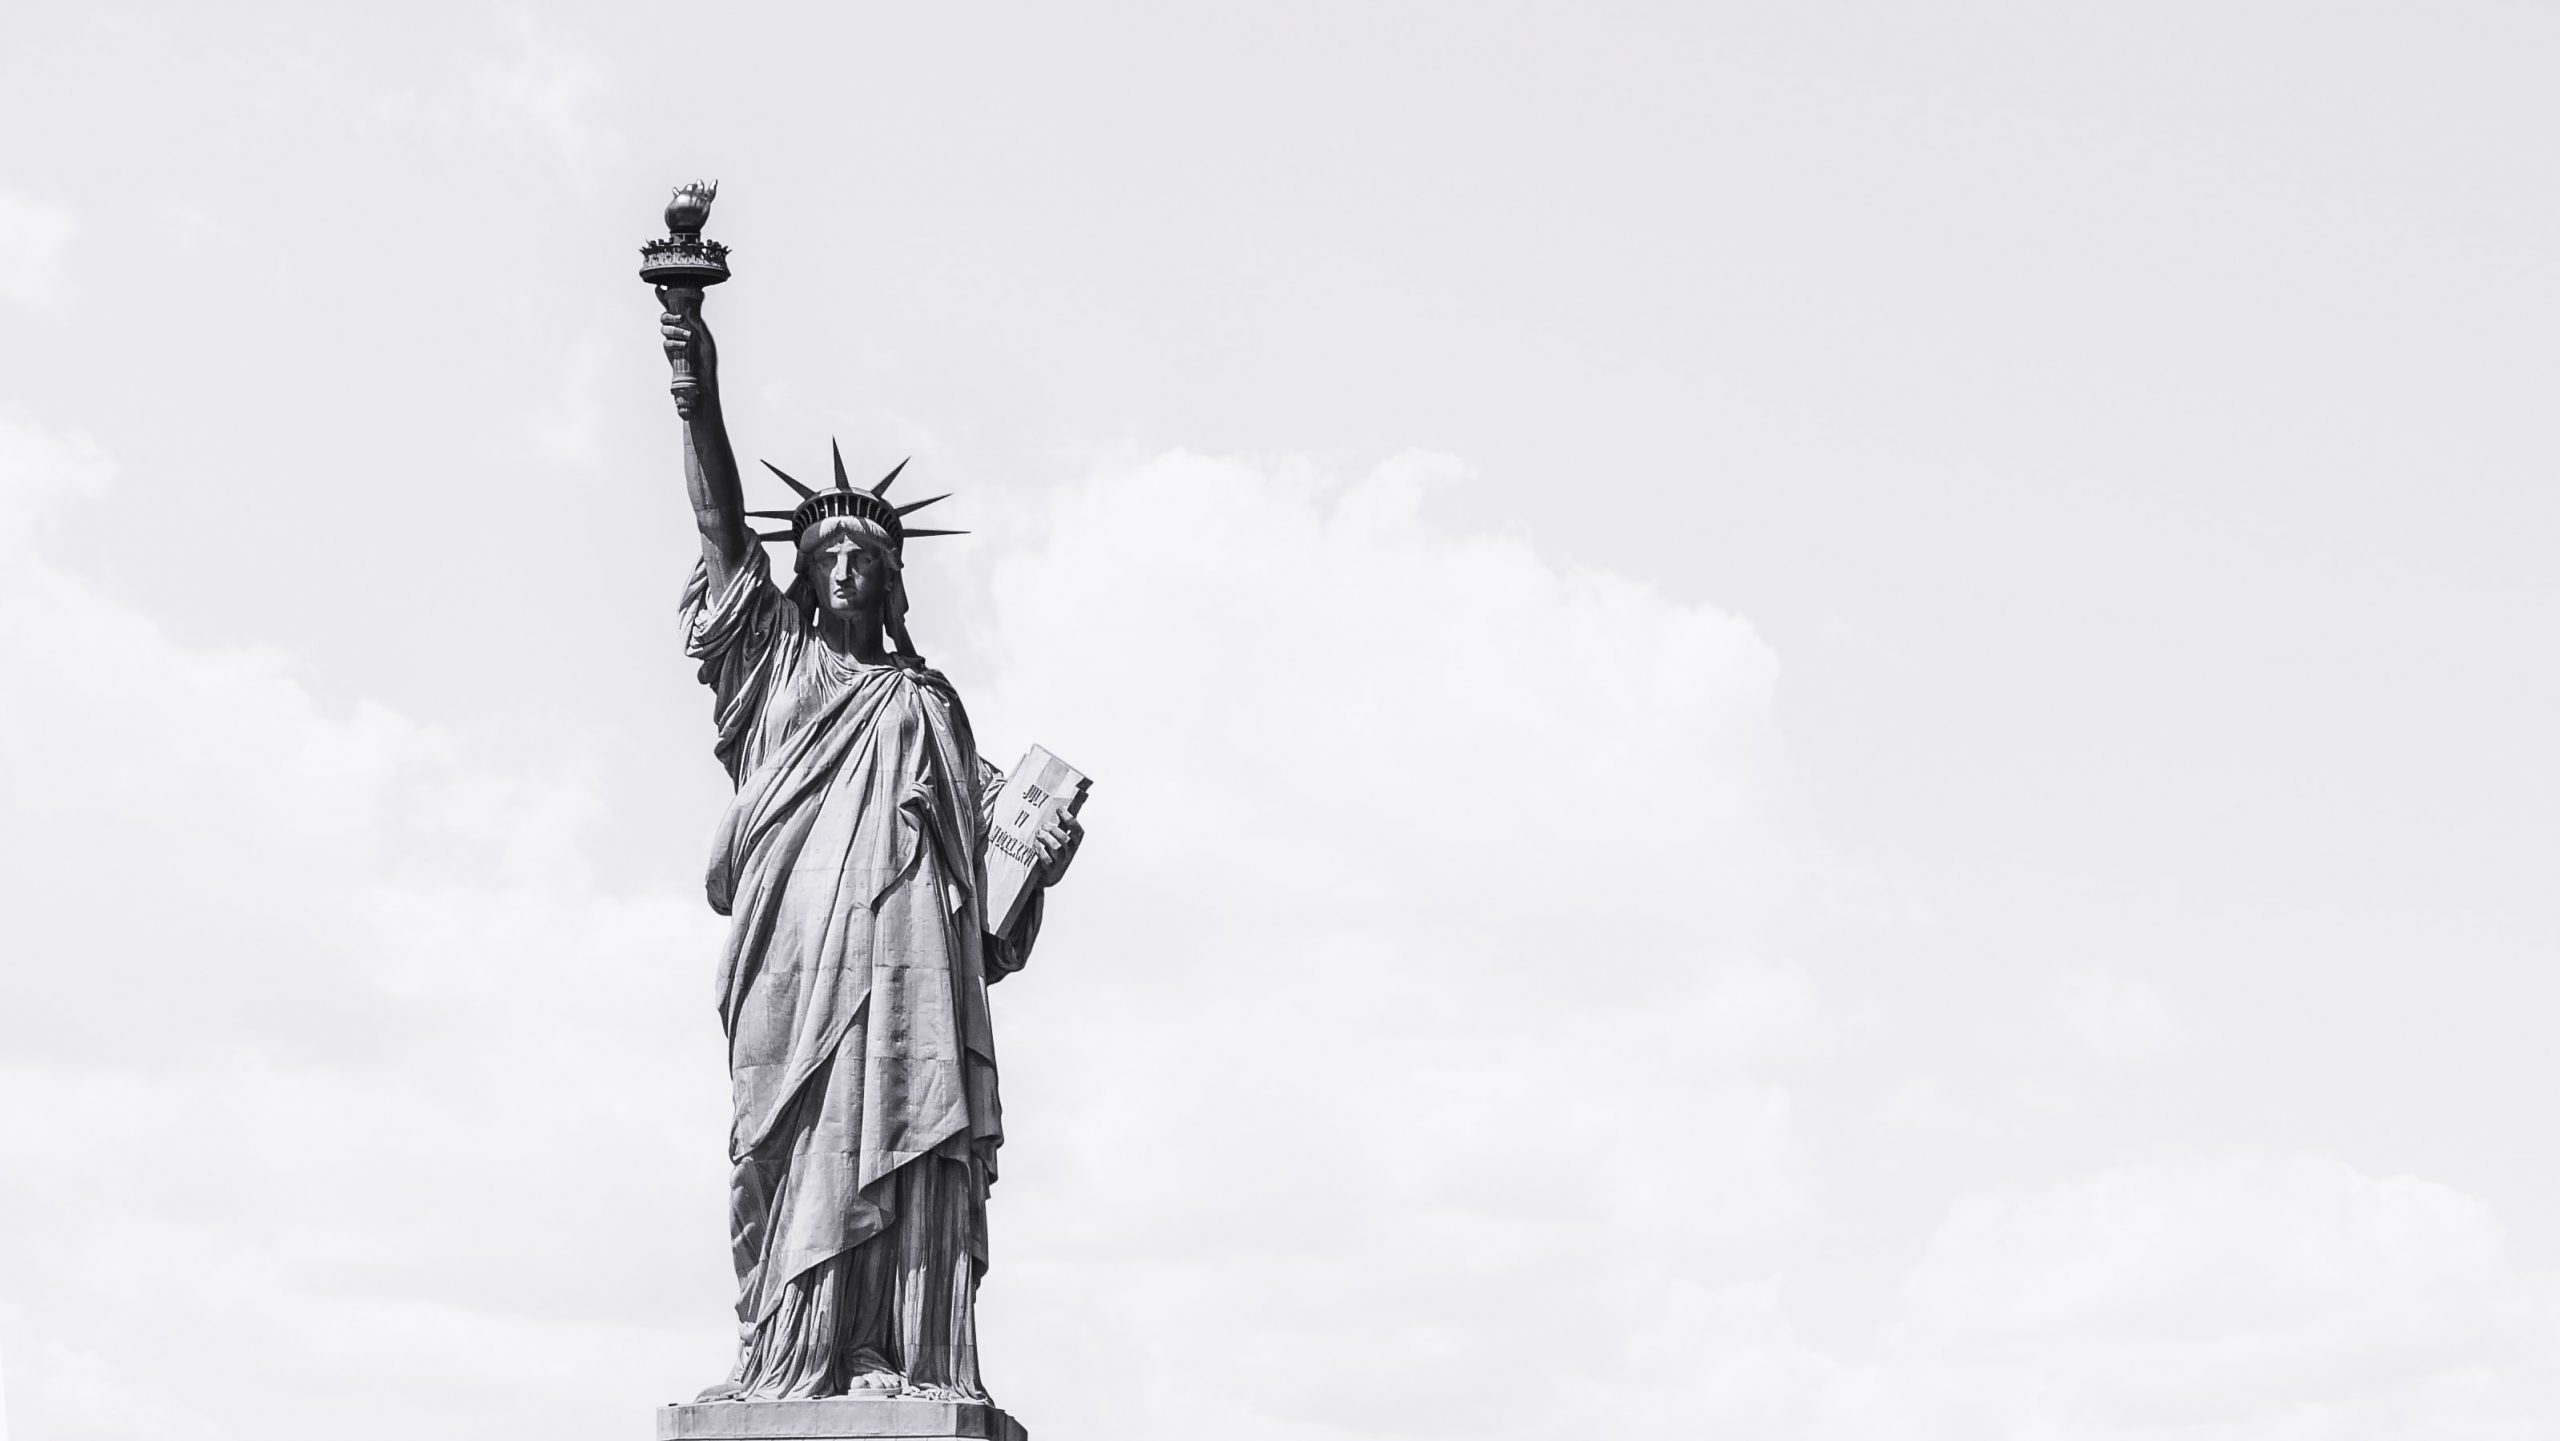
column 853, row 991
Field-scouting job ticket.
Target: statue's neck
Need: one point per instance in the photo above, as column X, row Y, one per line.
column 855, row 637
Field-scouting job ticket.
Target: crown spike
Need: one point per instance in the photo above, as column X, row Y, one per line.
column 841, row 482
column 773, row 535
column 912, row 534
column 772, row 514
column 805, row 492
column 921, row 504
column 883, row 487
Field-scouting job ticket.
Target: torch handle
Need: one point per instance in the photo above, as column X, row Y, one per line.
column 685, row 302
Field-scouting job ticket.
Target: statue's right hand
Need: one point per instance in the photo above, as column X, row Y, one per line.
column 681, row 331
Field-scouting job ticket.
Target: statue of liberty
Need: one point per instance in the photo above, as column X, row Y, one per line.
column 853, row 986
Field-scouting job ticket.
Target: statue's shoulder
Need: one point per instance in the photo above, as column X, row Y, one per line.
column 928, row 685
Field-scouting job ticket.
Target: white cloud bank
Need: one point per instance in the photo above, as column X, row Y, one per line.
column 1402, row 1060
column 2219, row 1297
column 326, row 1063
column 1412, row 1007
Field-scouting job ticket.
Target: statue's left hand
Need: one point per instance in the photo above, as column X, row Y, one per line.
column 1057, row 843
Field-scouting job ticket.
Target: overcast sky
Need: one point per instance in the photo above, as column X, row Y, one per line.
column 1820, row 722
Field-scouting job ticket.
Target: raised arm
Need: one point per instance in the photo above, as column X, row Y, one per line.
column 710, row 467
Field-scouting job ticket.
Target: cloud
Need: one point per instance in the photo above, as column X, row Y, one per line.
column 1415, row 973
column 1413, row 1000
column 327, row 1059
column 2222, row 1296
column 34, row 237
column 2117, row 1016
column 1408, row 1054
column 2210, row 1298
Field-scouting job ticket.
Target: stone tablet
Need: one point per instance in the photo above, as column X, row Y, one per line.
column 1035, row 792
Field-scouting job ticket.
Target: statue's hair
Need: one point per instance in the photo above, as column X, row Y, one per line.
column 869, row 534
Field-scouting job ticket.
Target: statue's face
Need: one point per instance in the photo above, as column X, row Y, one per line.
column 850, row 577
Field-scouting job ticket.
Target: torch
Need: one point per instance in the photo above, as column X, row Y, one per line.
column 684, row 263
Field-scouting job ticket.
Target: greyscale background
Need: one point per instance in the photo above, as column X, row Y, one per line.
column 1824, row 721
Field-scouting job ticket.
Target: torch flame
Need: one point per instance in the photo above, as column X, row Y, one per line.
column 691, row 207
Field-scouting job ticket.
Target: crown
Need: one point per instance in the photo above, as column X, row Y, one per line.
column 870, row 505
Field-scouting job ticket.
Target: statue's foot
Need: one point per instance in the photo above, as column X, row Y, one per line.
column 724, row 1391
column 875, row 1383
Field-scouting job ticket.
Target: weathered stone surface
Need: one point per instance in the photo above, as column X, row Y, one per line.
column 836, row 1418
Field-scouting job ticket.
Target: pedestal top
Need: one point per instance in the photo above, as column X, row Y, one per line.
column 836, row 1418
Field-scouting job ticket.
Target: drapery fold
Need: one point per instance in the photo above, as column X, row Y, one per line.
column 865, row 1112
